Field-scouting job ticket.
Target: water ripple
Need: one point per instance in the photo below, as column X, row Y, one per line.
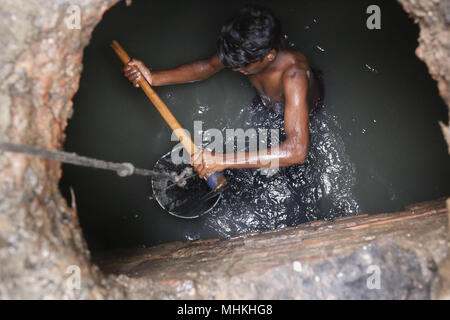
column 319, row 189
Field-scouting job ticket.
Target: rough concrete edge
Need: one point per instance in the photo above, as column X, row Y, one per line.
column 446, row 132
column 433, row 15
column 423, row 13
column 195, row 286
column 224, row 286
column 444, row 267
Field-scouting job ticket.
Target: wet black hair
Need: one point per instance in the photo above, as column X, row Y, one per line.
column 248, row 37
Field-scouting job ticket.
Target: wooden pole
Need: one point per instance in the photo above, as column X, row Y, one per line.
column 173, row 123
column 215, row 180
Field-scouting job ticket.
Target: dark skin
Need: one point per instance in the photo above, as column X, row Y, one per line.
column 280, row 75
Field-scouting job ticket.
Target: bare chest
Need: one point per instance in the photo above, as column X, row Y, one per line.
column 270, row 86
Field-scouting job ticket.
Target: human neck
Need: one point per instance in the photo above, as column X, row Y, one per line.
column 272, row 64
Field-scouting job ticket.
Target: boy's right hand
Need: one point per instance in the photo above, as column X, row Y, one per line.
column 134, row 70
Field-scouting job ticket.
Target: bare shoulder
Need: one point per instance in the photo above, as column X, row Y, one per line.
column 296, row 66
column 215, row 62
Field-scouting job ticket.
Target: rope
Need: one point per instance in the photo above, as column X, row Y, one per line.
column 124, row 169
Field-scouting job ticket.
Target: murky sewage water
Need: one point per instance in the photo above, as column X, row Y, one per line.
column 375, row 146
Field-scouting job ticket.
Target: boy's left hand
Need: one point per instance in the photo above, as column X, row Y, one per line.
column 206, row 162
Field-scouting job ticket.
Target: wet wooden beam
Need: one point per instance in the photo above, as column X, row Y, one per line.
column 318, row 260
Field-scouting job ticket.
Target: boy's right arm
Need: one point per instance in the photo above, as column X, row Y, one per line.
column 189, row 72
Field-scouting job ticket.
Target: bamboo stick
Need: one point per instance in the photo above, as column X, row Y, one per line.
column 162, row 108
column 215, row 180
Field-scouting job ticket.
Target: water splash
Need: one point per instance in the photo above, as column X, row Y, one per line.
column 203, row 109
column 370, row 68
column 320, row 48
column 308, row 26
column 319, row 189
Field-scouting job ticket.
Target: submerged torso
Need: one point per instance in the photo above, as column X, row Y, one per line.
column 270, row 85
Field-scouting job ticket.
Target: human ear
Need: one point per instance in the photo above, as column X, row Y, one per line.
column 271, row 55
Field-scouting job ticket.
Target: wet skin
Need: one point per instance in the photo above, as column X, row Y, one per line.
column 283, row 76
